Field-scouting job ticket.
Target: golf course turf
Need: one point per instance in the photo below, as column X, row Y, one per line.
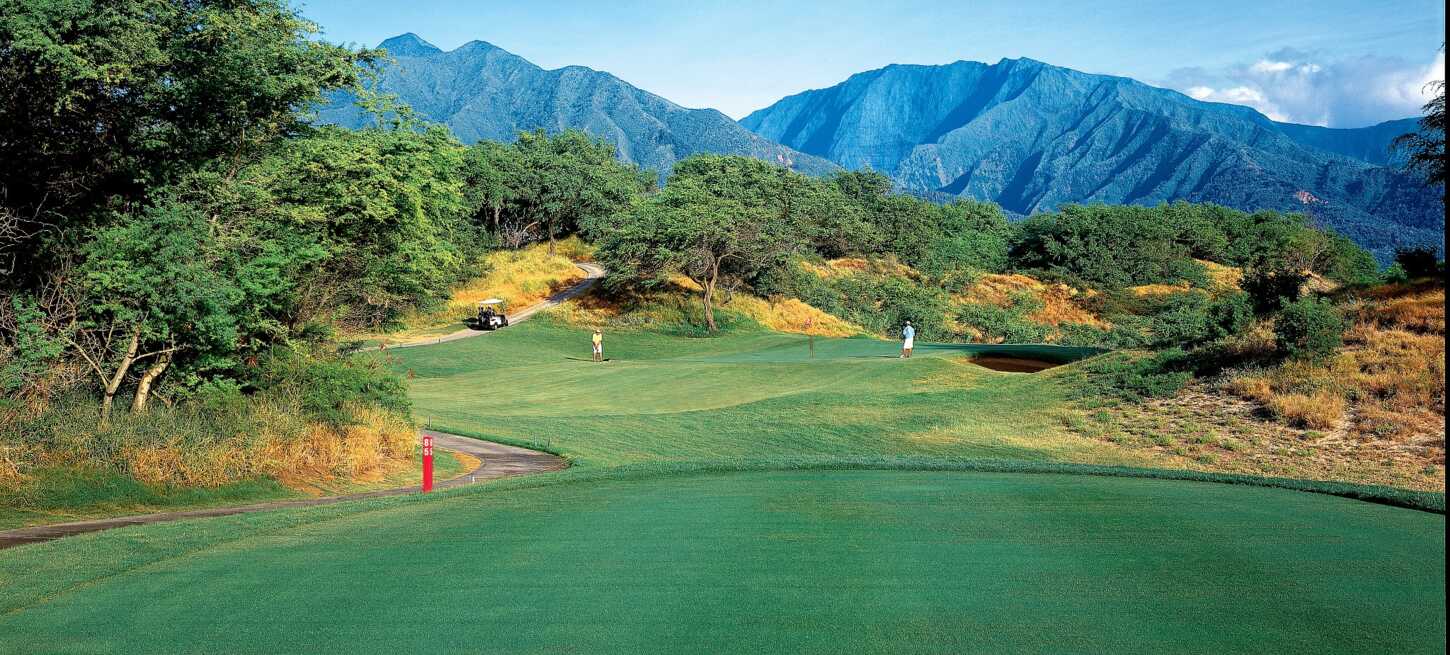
column 747, row 494
column 787, row 561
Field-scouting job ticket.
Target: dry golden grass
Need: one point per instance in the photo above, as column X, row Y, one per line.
column 1220, row 277
column 380, row 442
column 1322, row 410
column 1059, row 301
column 852, row 265
column 1223, row 276
column 679, row 302
column 1382, row 397
column 519, row 277
column 1206, row 430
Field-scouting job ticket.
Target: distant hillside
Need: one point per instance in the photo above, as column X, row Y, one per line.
column 1371, row 144
column 484, row 92
column 1031, row 137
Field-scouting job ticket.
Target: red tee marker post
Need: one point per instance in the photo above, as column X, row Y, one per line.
column 427, row 463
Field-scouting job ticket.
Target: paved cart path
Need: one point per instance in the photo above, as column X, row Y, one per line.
column 592, row 274
column 499, row 460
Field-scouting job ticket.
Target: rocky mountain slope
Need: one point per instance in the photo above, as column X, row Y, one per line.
column 1032, row 136
column 481, row 92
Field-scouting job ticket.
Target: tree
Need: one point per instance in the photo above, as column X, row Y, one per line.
column 719, row 220
column 370, row 223
column 106, row 101
column 970, row 234
column 491, row 178
column 1270, row 289
column 1426, row 146
column 569, row 178
column 1309, row 329
column 1417, row 262
column 1112, row 245
column 155, row 292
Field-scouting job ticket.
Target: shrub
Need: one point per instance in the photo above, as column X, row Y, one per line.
column 1230, row 315
column 1321, row 410
column 1134, row 377
column 1181, row 321
column 32, row 351
column 1309, row 329
column 329, row 386
column 1271, row 289
column 1005, row 324
column 1417, row 262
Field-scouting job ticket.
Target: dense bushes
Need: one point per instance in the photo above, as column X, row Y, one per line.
column 1309, row 329
column 877, row 302
column 1271, row 289
column 1106, row 245
column 1122, row 245
column 1133, row 376
column 1418, row 262
column 1008, row 324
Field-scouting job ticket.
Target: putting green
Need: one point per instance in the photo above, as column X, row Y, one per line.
column 749, row 394
column 789, row 561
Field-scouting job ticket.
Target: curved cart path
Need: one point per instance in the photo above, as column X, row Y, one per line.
column 499, row 460
column 592, row 274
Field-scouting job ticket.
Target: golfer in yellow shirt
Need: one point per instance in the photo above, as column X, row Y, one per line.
column 598, row 346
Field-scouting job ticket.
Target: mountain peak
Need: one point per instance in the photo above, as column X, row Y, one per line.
column 480, row 45
column 409, row 45
column 1032, row 137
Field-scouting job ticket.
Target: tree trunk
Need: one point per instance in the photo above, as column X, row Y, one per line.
column 712, row 277
column 114, row 384
column 550, row 228
column 143, row 389
column 709, row 290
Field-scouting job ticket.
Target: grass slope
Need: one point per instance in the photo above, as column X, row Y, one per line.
column 745, row 394
column 764, row 561
column 60, row 495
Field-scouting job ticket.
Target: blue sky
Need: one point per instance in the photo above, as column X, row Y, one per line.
column 1326, row 62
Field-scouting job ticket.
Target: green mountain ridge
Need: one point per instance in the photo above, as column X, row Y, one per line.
column 483, row 92
column 1032, row 137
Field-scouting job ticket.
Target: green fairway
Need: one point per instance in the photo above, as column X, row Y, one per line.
column 753, row 394
column 746, row 493
column 798, row 561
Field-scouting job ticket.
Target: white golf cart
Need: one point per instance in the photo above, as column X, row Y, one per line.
column 492, row 315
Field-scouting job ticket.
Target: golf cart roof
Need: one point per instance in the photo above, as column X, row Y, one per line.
column 490, row 301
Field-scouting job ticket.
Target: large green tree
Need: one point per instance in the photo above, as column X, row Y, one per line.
column 156, row 290
column 106, row 101
column 568, row 178
column 384, row 211
column 720, row 220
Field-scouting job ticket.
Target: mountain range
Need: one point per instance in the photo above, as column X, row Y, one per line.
column 481, row 91
column 1025, row 134
column 1032, row 136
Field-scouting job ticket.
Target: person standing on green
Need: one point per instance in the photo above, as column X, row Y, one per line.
column 598, row 345
column 908, row 339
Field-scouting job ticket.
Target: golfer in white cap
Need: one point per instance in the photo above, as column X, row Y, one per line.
column 908, row 339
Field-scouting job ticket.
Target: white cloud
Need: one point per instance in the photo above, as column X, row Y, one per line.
column 1265, row 66
column 1199, row 92
column 1301, row 87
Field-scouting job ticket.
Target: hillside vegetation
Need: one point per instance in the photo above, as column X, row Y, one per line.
column 195, row 257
